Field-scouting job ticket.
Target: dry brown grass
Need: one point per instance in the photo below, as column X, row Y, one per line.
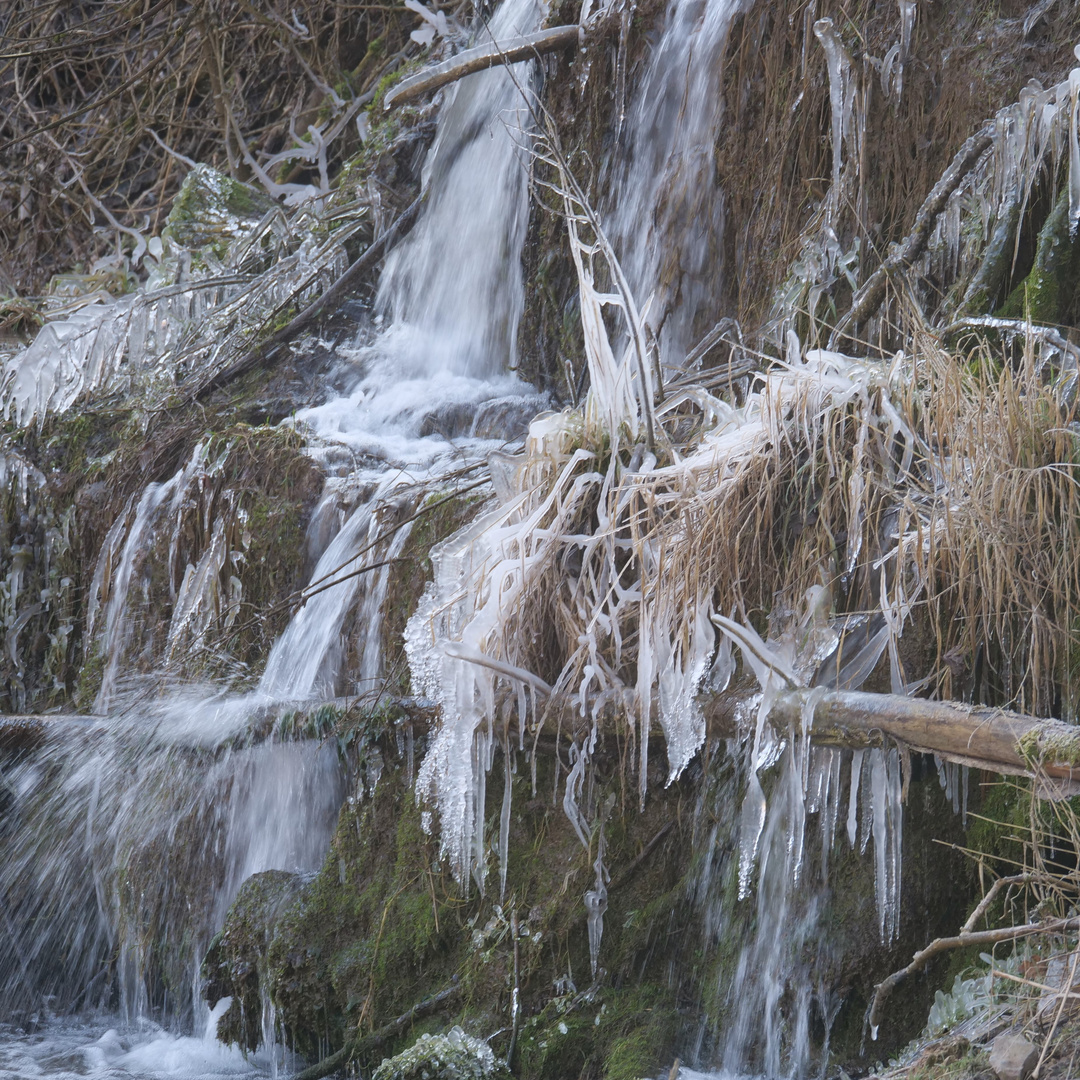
column 939, row 489
column 86, row 86
column 968, row 61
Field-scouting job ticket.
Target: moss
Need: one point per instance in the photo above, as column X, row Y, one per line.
column 637, row 1033
column 559, row 1041
column 1051, row 292
column 235, row 964
column 1060, row 747
column 363, row 942
column 89, row 683
column 211, row 209
column 949, row 1064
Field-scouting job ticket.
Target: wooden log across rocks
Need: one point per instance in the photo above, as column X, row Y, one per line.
column 985, row 738
column 21, row 733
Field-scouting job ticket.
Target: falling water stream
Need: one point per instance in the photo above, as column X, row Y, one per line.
column 157, row 779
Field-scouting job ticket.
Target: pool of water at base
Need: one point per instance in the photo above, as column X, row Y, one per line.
column 99, row 1047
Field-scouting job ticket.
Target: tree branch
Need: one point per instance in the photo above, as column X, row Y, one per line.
column 480, row 59
column 356, row 1046
column 991, row 739
column 940, row 945
column 868, row 299
column 273, row 345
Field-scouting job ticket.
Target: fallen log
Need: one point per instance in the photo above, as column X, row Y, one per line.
column 21, row 733
column 480, row 59
column 282, row 720
column 985, row 738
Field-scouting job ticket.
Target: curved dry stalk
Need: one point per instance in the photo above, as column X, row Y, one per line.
column 940, row 945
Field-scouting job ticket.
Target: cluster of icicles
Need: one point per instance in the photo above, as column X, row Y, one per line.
column 1031, row 138
column 471, row 633
column 188, row 320
column 597, row 521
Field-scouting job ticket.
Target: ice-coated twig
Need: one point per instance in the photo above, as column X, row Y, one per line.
column 868, row 299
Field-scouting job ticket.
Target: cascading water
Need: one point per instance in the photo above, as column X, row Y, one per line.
column 667, row 216
column 139, row 828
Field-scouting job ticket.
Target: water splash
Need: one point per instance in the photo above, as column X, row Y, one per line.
column 93, row 1049
column 141, row 828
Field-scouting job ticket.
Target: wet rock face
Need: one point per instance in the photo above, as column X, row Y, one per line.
column 235, row 965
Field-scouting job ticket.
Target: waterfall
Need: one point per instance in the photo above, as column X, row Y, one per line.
column 453, row 290
column 167, row 795
column 616, row 553
column 667, row 215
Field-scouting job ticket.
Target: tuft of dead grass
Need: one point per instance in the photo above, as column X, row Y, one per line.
column 103, row 99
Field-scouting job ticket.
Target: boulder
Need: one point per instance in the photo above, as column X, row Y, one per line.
column 453, row 1056
column 1012, row 1057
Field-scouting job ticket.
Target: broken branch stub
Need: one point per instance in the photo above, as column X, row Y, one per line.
column 480, row 59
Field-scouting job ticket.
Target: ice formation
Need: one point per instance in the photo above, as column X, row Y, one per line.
column 842, row 91
column 182, row 324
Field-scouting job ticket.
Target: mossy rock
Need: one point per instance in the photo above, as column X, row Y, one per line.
column 235, row 963
column 211, row 210
column 453, row 1056
column 1051, row 292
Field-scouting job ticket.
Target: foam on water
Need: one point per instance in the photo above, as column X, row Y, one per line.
column 91, row 1049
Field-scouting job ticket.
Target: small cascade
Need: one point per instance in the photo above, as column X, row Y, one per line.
column 155, row 796
column 667, row 215
column 306, row 661
column 174, row 787
column 123, row 564
column 770, row 993
column 819, row 802
column 453, row 290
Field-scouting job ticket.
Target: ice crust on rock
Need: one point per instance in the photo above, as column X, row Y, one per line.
column 453, row 1056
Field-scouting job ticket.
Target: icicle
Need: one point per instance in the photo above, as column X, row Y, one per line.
column 681, row 672
column 596, row 899
column 886, row 782
column 572, row 795
column 842, row 101
column 907, row 25
column 504, row 820
column 1074, row 147
column 853, row 796
column 880, row 827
